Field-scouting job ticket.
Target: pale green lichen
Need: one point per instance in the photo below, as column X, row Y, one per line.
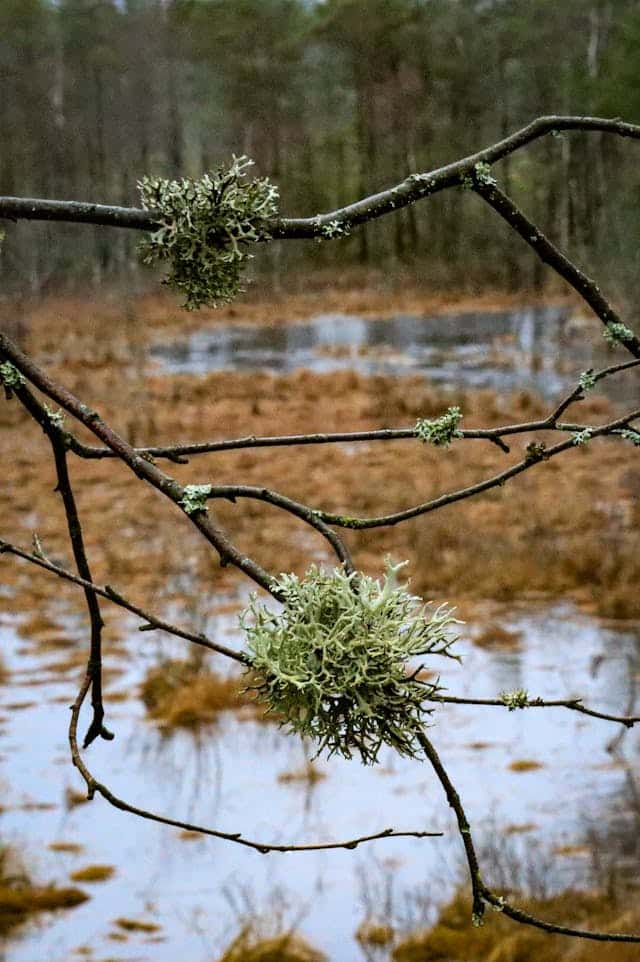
column 580, row 438
column 630, row 435
column 335, row 229
column 518, row 698
column 334, row 661
column 440, row 431
column 480, row 174
column 615, row 333
column 57, row 418
column 10, row 376
column 205, row 228
column 195, row 498
column 587, row 379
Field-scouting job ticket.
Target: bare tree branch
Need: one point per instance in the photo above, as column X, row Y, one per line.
column 413, row 188
column 480, row 891
column 573, row 704
column 144, row 469
column 93, row 786
column 535, row 456
column 551, row 255
column 150, row 620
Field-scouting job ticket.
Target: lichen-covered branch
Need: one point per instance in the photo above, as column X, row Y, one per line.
column 340, row 660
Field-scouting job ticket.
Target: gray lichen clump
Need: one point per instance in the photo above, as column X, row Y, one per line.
column 334, row 662
column 205, row 228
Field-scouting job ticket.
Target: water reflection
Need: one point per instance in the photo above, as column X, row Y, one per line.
column 229, row 778
column 540, row 348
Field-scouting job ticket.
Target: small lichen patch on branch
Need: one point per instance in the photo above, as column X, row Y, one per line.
column 581, row 438
column 615, row 333
column 536, row 451
column 518, row 698
column 56, row 417
column 481, row 174
column 587, row 379
column 630, row 435
column 205, row 228
column 195, row 498
column 334, row 661
column 335, row 229
column 440, row 431
column 10, row 376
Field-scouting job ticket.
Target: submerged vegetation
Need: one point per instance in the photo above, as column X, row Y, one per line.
column 248, row 946
column 20, row 898
column 185, row 693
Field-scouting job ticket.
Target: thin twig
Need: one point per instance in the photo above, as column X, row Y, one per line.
column 497, row 480
column 110, row 594
column 480, row 891
column 412, row 188
column 227, row 551
column 96, row 729
column 553, row 256
column 573, row 704
column 180, row 452
column 93, row 786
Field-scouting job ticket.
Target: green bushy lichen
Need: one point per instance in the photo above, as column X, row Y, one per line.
column 440, row 431
column 588, row 379
column 205, row 228
column 195, row 498
column 581, row 438
column 630, row 435
column 615, row 333
column 518, row 698
column 10, row 376
column 333, row 662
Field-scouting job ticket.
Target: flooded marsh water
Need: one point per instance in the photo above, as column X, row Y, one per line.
column 537, row 348
column 195, row 889
column 547, row 797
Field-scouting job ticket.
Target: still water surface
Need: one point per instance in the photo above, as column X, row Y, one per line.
column 195, row 889
column 541, row 348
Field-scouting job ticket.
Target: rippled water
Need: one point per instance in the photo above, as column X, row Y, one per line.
column 540, row 348
column 229, row 778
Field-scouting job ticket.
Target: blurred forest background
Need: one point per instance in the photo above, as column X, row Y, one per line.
column 333, row 100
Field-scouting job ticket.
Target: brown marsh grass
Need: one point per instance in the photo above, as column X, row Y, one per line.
column 187, row 694
column 20, row 898
column 568, row 528
column 285, row 947
column 499, row 940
